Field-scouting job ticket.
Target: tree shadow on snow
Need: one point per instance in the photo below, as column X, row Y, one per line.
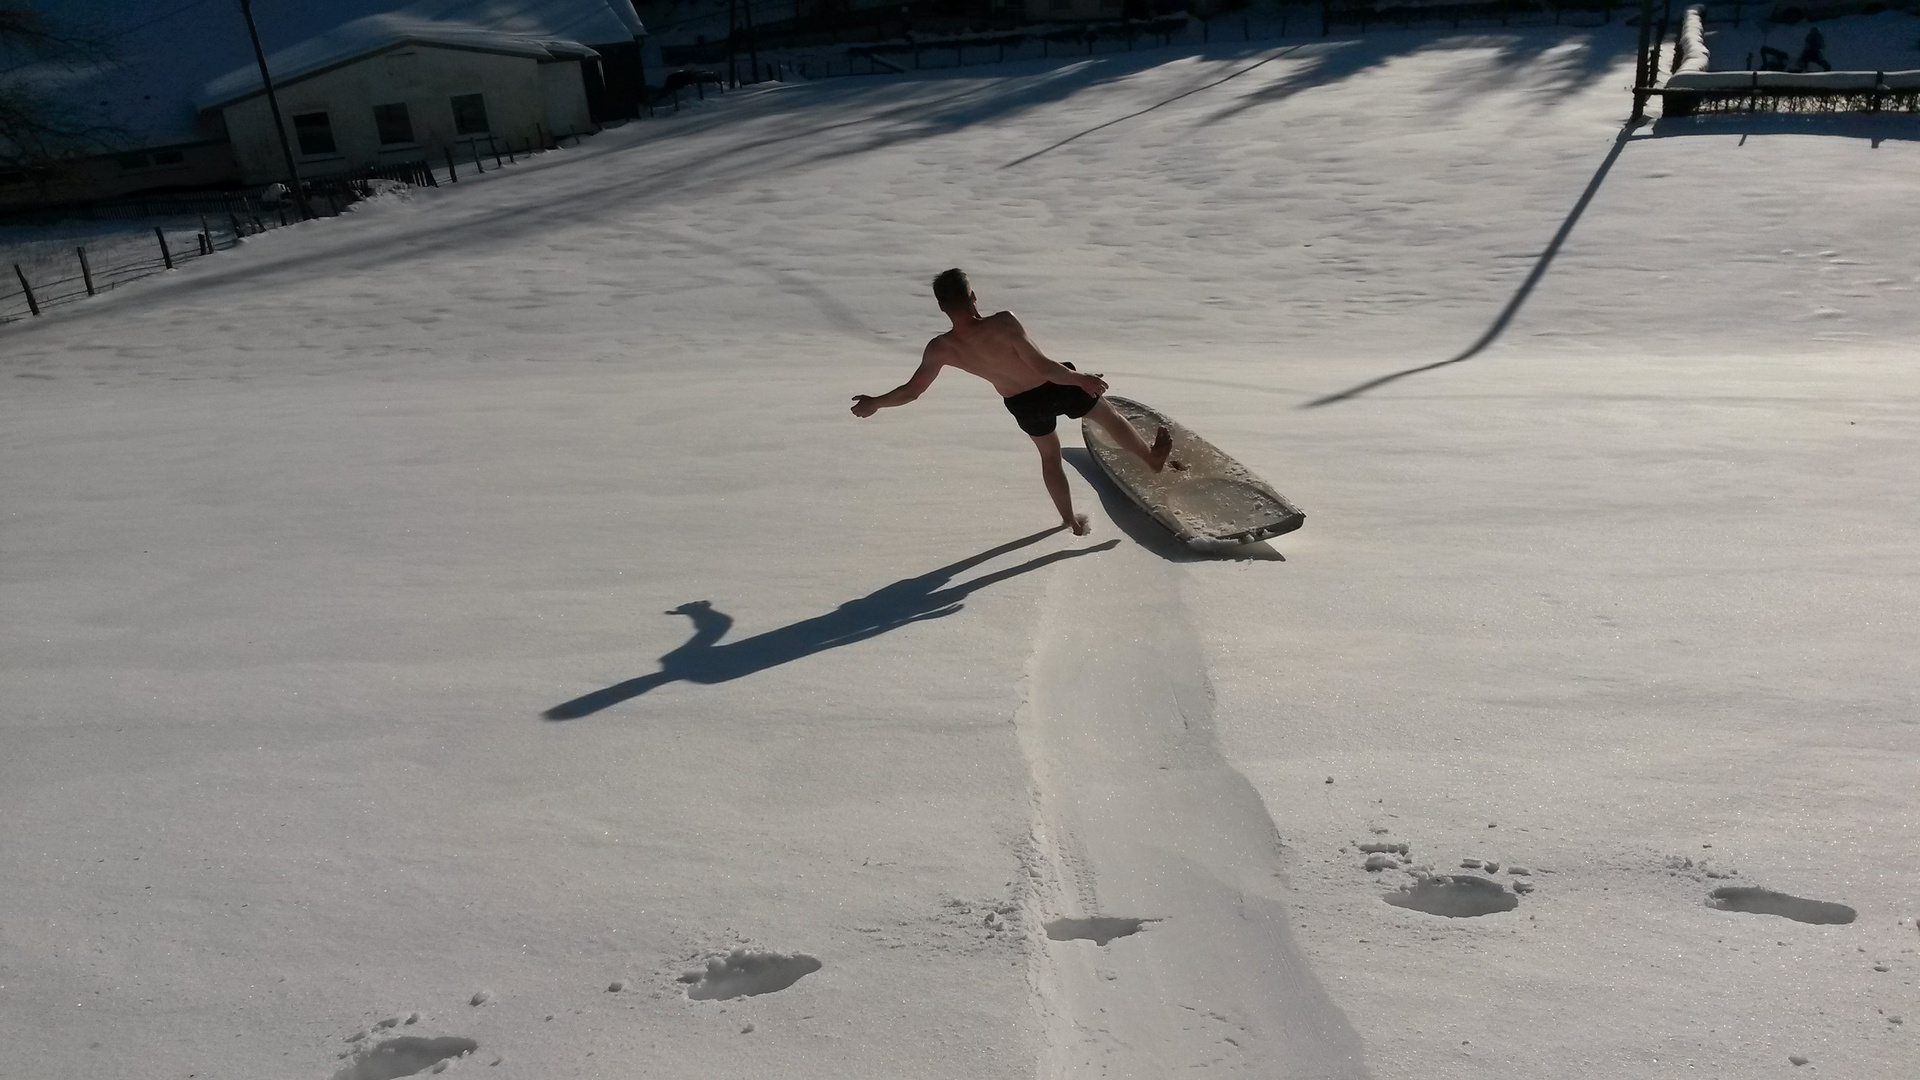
column 703, row 659
column 809, row 124
column 1567, row 59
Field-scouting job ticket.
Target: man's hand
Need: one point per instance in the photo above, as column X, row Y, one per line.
column 1092, row 384
column 864, row 406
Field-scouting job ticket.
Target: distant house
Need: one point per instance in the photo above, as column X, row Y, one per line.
column 387, row 89
column 160, row 102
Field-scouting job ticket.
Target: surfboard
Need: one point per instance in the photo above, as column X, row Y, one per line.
column 1215, row 503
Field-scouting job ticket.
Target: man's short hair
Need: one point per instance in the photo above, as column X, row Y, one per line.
column 951, row 290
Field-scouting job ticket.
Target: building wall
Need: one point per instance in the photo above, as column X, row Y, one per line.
column 424, row 78
column 564, row 87
column 107, row 176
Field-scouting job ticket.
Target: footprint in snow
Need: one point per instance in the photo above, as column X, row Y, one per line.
column 1758, row 901
column 1098, row 929
column 404, row 1056
column 747, row 972
column 1460, row 896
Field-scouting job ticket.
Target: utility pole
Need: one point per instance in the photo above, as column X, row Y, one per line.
column 1642, row 80
column 733, row 34
column 273, row 103
column 753, row 47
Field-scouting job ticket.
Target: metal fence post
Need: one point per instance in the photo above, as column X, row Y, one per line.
column 453, row 174
column 165, row 255
column 32, row 304
column 86, row 272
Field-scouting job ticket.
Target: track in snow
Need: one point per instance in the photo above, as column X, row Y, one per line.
column 1139, row 818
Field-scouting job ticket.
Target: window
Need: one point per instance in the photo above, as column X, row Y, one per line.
column 394, row 123
column 469, row 114
column 132, row 161
column 315, row 133
column 168, row 157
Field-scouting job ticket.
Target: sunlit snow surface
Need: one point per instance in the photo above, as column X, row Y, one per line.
column 301, row 542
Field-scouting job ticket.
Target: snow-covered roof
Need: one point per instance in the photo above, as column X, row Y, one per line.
column 373, row 34
column 166, row 54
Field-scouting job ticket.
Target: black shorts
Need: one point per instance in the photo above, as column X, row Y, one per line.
column 1037, row 409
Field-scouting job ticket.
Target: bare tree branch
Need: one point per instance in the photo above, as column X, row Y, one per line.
column 37, row 128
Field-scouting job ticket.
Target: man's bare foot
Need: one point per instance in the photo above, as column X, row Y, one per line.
column 1160, row 456
column 1079, row 525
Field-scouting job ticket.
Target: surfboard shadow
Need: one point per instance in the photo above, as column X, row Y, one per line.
column 703, row 659
column 1148, row 533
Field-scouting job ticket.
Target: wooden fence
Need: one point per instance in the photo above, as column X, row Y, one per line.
column 225, row 218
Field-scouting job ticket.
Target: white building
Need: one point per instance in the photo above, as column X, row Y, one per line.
column 388, row 89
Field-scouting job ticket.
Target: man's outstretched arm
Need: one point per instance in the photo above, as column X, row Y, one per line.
column 923, row 377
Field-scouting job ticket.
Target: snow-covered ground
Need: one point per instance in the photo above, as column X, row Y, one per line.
column 302, row 544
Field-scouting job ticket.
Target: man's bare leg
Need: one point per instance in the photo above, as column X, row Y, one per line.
column 1056, row 479
column 1117, row 426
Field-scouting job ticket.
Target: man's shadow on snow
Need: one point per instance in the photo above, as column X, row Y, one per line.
column 703, row 659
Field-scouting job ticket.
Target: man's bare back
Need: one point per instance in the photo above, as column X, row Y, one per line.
column 1036, row 389
column 998, row 350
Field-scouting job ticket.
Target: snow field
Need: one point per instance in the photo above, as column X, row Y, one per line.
column 287, row 601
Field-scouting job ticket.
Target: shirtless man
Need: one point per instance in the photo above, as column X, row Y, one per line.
column 1037, row 390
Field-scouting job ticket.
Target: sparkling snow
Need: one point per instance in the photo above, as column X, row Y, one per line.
column 298, row 545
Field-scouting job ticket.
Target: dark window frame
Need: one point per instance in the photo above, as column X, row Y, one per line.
column 311, row 136
column 393, row 118
column 467, row 109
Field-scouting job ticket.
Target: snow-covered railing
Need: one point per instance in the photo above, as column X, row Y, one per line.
column 1690, row 45
column 1851, row 82
column 1692, row 87
column 1688, row 92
